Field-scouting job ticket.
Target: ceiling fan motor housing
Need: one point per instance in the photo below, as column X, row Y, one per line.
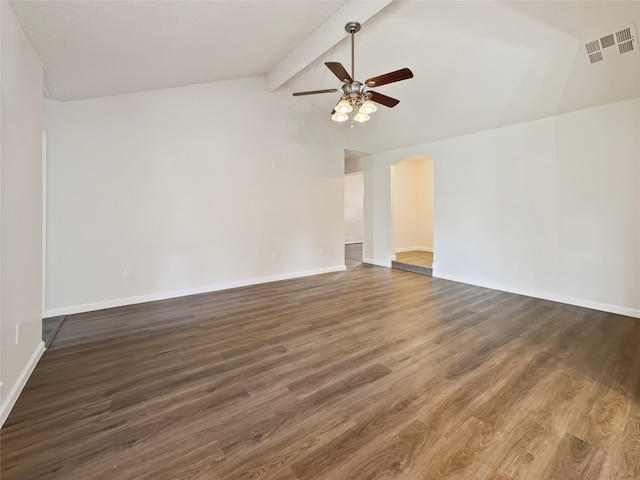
column 353, row 88
column 352, row 27
column 354, row 93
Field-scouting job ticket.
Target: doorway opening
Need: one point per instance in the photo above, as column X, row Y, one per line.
column 412, row 215
column 353, row 218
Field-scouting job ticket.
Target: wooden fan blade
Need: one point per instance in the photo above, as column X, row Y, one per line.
column 383, row 99
column 402, row 74
column 313, row 92
column 339, row 71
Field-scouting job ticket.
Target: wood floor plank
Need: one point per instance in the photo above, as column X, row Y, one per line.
column 498, row 410
column 370, row 373
column 531, row 438
column 575, row 459
column 458, row 459
column 623, row 462
column 396, row 457
column 260, row 431
column 323, row 461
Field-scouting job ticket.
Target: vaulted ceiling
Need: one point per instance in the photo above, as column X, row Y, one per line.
column 477, row 65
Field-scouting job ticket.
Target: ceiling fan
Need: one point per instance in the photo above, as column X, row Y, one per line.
column 355, row 96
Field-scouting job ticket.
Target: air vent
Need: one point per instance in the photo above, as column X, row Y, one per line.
column 612, row 45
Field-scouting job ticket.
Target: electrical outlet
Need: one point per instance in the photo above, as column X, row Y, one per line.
column 18, row 328
column 321, row 251
column 127, row 272
column 274, row 256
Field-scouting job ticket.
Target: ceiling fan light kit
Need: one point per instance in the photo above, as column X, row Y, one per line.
column 355, row 97
column 339, row 117
column 361, row 117
column 368, row 107
column 344, row 106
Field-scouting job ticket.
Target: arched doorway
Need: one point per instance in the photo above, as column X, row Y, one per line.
column 412, row 214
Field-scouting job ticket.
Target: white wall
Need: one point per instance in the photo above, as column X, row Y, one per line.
column 412, row 204
column 353, row 207
column 424, row 175
column 403, row 201
column 193, row 188
column 549, row 208
column 21, row 209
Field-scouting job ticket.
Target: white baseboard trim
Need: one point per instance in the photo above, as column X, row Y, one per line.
column 376, row 262
column 10, row 399
column 578, row 302
column 120, row 302
column 411, row 249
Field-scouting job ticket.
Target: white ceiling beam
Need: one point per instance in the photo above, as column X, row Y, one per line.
column 329, row 34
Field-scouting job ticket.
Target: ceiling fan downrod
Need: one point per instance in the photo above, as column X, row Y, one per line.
column 353, row 28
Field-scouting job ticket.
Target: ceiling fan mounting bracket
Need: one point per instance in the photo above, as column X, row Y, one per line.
column 352, row 27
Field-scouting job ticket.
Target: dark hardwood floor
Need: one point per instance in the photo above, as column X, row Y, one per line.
column 371, row 373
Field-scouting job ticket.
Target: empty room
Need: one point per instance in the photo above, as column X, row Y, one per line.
column 209, row 211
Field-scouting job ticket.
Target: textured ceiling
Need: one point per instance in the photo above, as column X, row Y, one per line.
column 100, row 48
column 477, row 65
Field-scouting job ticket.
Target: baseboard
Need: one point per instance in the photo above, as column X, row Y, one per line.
column 121, row 302
column 11, row 398
column 413, row 249
column 578, row 302
column 376, row 262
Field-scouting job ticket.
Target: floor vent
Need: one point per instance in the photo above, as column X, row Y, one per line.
column 612, row 45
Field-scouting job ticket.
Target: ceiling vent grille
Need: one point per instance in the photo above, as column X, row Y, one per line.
column 612, row 45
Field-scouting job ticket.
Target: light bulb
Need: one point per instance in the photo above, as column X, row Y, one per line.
column 339, row 117
column 368, row 107
column 361, row 117
column 344, row 106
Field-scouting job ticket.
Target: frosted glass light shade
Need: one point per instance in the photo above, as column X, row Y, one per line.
column 344, row 106
column 368, row 107
column 361, row 117
column 339, row 117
